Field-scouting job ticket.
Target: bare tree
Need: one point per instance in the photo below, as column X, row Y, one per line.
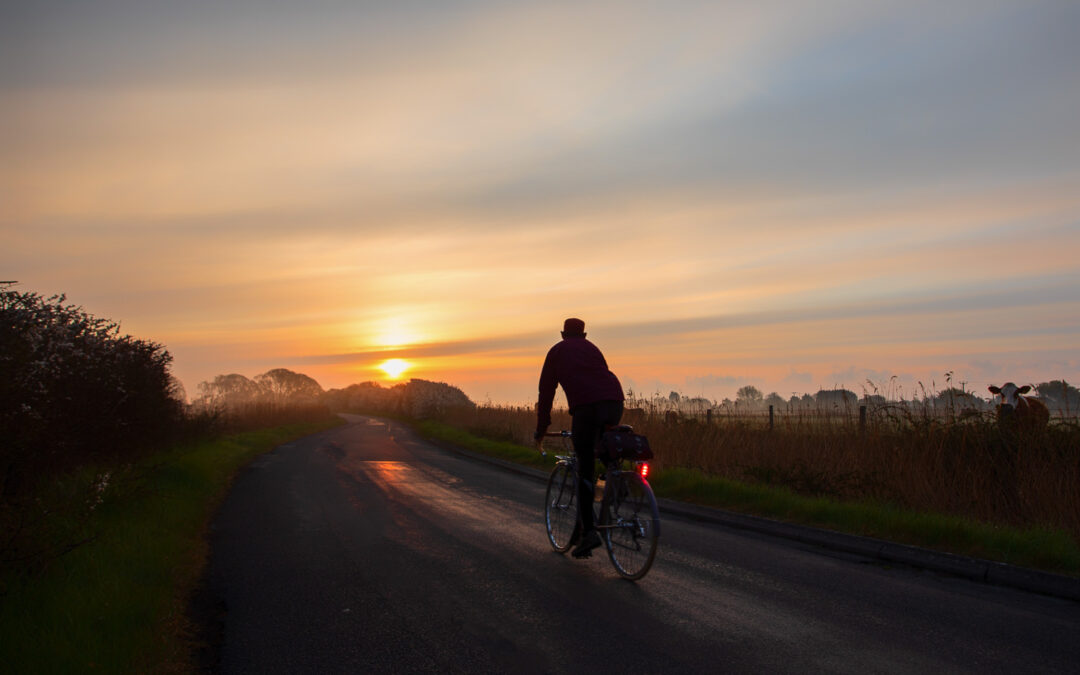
column 227, row 391
column 282, row 385
column 775, row 400
column 748, row 396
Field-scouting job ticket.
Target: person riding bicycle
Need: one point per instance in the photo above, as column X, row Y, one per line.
column 595, row 398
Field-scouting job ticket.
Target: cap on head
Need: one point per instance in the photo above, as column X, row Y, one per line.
column 573, row 328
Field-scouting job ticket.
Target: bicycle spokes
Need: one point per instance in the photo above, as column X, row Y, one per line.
column 632, row 530
column 560, row 509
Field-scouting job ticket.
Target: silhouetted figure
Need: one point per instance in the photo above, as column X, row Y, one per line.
column 594, row 396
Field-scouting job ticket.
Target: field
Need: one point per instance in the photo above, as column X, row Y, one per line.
column 958, row 465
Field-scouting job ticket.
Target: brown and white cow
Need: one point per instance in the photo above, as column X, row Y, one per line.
column 1022, row 412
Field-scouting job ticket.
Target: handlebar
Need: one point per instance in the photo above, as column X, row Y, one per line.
column 551, row 434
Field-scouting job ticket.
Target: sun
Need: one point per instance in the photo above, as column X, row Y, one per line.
column 395, row 367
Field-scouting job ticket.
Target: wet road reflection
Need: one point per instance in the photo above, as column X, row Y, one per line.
column 443, row 565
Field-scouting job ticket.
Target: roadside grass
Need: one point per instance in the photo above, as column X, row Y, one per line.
column 1049, row 549
column 507, row 450
column 118, row 603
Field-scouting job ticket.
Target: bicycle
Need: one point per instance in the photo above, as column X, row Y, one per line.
column 628, row 520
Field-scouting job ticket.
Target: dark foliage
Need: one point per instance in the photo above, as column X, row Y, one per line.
column 79, row 404
column 1060, row 396
column 232, row 402
column 73, row 390
column 416, row 398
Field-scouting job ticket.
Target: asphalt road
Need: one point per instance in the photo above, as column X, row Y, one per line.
column 366, row 549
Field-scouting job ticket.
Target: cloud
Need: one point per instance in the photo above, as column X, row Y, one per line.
column 696, row 382
column 1046, row 290
column 796, row 378
column 523, row 344
column 726, row 188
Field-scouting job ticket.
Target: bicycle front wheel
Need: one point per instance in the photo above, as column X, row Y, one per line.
column 632, row 525
column 560, row 509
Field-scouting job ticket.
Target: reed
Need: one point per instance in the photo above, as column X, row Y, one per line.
column 961, row 465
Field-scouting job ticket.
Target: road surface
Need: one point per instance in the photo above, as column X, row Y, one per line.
column 365, row 549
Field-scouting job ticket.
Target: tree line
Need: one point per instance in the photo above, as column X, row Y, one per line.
column 234, row 394
column 416, row 398
column 233, row 401
column 1058, row 395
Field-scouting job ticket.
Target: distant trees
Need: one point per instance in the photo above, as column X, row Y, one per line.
column 416, row 398
column 956, row 399
column 276, row 395
column 748, row 395
column 775, row 400
column 421, row 398
column 1059, row 395
column 826, row 398
column 227, row 391
column 874, row 400
column 283, row 393
column 365, row 396
column 281, row 385
column 695, row 405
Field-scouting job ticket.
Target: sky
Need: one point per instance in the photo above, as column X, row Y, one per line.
column 881, row 196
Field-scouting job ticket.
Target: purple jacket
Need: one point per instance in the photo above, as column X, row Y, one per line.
column 580, row 368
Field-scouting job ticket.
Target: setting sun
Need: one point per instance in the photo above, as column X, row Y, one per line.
column 394, row 367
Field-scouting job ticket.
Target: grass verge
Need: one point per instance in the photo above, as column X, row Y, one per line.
column 117, row 604
column 1052, row 550
column 500, row 449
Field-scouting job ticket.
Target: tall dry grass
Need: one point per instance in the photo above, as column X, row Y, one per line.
column 965, row 465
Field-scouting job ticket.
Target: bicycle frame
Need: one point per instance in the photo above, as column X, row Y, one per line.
column 632, row 553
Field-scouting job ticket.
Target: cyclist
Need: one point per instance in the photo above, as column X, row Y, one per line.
column 594, row 396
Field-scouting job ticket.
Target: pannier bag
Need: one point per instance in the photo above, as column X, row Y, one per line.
column 624, row 444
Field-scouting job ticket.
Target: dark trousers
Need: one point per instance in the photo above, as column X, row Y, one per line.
column 590, row 420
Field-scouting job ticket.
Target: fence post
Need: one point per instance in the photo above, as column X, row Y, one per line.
column 708, row 416
column 770, row 418
column 862, row 419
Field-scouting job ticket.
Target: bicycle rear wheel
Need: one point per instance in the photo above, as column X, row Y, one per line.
column 632, row 521
column 560, row 509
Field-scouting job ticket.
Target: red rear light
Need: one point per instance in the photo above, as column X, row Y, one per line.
column 643, row 469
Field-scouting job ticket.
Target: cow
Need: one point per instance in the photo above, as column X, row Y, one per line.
column 1018, row 411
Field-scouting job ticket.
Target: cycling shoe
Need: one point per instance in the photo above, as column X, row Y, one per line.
column 589, row 541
